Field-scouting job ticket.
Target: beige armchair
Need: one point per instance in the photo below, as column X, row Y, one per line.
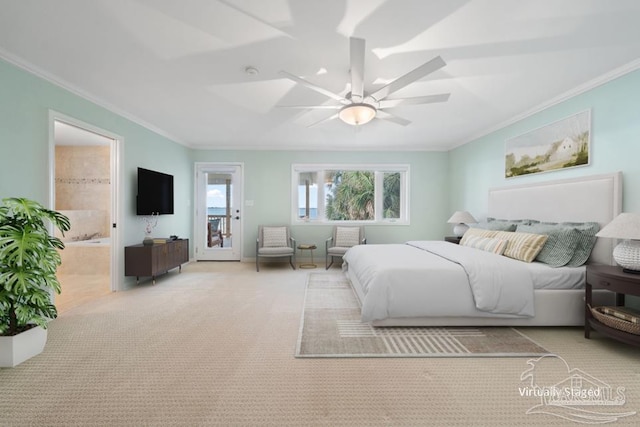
column 275, row 242
column 343, row 238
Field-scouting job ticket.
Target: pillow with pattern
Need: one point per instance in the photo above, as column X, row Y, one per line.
column 561, row 245
column 487, row 244
column 522, row 246
column 586, row 242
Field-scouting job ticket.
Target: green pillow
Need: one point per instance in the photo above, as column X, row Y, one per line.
column 496, row 225
column 560, row 247
column 586, row 241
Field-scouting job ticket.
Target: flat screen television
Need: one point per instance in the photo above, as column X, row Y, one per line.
column 155, row 193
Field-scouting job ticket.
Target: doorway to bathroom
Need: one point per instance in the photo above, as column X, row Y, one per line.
column 83, row 188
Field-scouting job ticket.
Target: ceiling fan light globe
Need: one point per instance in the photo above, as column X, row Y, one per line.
column 357, row 114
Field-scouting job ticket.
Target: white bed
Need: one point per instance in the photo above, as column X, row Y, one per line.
column 557, row 294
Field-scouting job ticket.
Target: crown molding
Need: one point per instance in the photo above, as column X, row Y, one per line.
column 585, row 87
column 38, row 72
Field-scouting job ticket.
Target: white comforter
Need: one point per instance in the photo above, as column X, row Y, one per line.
column 428, row 269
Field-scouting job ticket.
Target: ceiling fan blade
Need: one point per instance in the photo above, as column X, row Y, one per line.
column 429, row 99
column 311, row 86
column 357, row 69
column 416, row 74
column 326, row 119
column 391, row 118
column 313, row 107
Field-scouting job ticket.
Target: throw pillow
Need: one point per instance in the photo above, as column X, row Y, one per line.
column 497, row 246
column 476, row 232
column 586, row 242
column 522, row 246
column 496, row 225
column 559, row 247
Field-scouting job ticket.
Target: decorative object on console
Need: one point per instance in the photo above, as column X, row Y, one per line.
column 461, row 219
column 625, row 226
column 151, row 221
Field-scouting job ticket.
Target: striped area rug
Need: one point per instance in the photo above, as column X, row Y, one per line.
column 331, row 327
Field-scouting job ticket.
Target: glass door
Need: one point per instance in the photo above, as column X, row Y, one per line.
column 218, row 212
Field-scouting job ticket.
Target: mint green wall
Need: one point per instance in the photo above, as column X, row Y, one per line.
column 267, row 181
column 25, row 101
column 24, row 168
column 615, row 146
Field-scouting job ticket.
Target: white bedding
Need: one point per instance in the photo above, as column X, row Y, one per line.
column 420, row 279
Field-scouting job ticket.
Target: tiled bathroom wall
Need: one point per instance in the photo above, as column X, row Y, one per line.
column 83, row 191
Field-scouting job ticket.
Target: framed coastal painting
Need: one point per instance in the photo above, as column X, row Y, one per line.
column 559, row 145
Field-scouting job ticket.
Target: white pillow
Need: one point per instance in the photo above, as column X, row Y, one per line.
column 347, row 237
column 497, row 246
column 274, row 237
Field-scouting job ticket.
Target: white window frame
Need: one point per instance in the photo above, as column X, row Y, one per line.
column 378, row 168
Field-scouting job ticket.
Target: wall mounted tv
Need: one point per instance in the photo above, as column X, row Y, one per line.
column 155, row 193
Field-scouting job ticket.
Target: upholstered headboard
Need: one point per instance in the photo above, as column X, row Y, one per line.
column 596, row 198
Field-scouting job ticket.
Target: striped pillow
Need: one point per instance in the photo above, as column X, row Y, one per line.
column 497, row 246
column 476, row 232
column 522, row 246
column 560, row 246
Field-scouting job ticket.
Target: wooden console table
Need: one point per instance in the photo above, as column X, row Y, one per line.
column 141, row 260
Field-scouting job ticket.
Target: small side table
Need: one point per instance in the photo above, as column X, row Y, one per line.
column 453, row 239
column 613, row 279
column 310, row 248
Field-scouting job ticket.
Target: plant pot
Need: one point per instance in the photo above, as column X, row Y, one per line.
column 18, row 348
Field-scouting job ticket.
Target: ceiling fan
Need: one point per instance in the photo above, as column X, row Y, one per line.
column 358, row 107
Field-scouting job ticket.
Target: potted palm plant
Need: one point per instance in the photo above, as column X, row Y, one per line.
column 28, row 263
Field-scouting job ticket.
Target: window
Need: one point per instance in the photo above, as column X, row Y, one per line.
column 350, row 193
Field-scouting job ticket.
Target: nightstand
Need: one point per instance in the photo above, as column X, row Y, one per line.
column 453, row 239
column 615, row 280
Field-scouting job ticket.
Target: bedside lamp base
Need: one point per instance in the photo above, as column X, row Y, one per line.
column 460, row 229
column 627, row 255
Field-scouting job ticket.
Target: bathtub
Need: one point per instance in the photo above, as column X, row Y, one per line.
column 86, row 257
column 102, row 241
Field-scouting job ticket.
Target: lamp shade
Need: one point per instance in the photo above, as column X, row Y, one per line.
column 627, row 254
column 624, row 226
column 462, row 217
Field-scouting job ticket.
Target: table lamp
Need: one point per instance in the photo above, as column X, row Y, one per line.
column 625, row 226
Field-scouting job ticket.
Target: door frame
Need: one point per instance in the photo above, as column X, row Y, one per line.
column 117, row 269
column 197, row 231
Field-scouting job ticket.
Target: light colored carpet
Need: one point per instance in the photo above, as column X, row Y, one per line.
column 215, row 346
column 330, row 327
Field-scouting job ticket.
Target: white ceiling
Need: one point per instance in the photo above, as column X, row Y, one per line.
column 177, row 66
